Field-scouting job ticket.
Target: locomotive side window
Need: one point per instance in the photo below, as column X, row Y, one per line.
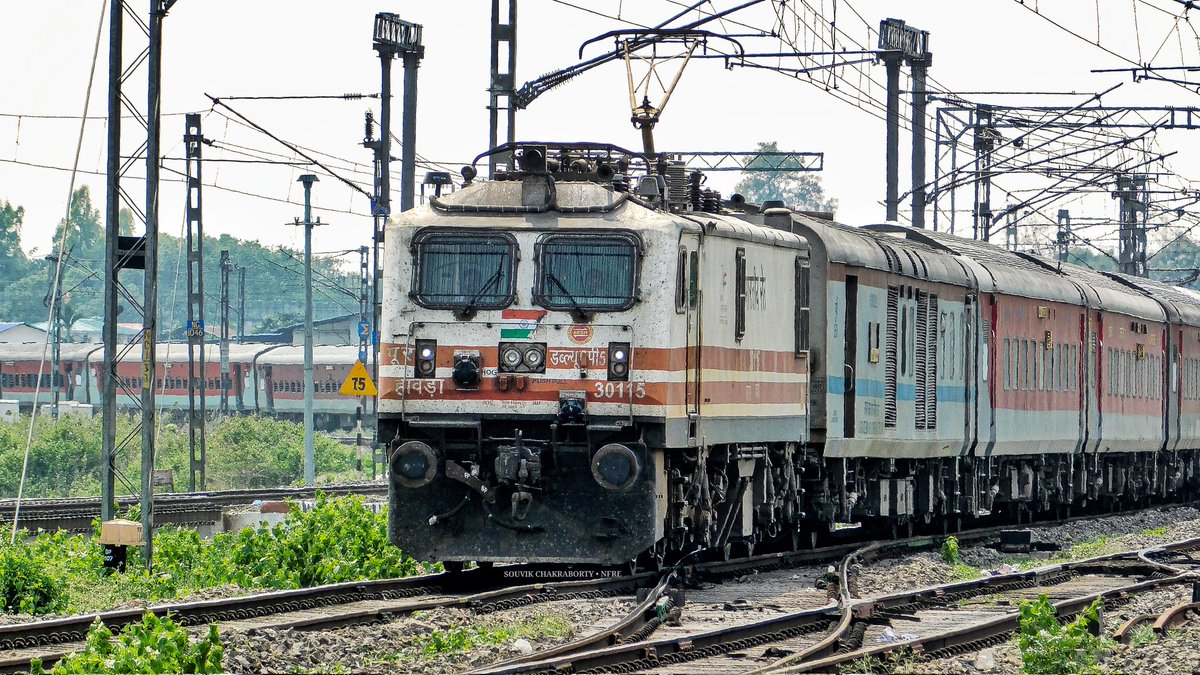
column 693, row 279
column 802, row 299
column 739, row 291
column 681, row 289
column 454, row 270
column 587, row 272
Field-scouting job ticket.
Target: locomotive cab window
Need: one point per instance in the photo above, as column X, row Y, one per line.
column 463, row 270
column 596, row 272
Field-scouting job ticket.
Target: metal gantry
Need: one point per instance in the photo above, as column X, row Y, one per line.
column 1069, row 144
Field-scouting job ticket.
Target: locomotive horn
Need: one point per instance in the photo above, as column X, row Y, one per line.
column 604, row 171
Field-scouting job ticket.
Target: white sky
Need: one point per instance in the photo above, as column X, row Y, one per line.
column 229, row 48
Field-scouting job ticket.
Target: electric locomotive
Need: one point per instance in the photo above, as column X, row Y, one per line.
column 582, row 361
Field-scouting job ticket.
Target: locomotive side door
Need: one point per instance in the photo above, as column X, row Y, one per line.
column 850, row 364
column 689, row 246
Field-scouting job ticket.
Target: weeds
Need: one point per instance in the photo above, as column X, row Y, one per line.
column 1143, row 634
column 154, row 645
column 950, row 550
column 1048, row 647
column 899, row 662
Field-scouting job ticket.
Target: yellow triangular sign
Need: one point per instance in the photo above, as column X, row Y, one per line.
column 358, row 383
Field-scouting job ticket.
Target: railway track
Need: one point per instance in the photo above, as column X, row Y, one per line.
column 321, row 607
column 809, row 627
column 185, row 509
column 936, row 621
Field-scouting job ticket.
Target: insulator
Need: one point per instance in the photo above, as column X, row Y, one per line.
column 620, row 182
column 712, row 201
column 694, row 194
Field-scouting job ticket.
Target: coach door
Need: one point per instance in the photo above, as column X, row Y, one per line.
column 689, row 303
column 849, row 398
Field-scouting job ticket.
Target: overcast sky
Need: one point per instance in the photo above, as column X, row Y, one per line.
column 228, row 48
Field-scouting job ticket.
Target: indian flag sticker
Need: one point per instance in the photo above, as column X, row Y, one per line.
column 519, row 324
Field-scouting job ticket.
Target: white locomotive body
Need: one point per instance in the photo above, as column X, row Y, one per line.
column 571, row 373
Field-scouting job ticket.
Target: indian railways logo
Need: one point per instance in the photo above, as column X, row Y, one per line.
column 580, row 334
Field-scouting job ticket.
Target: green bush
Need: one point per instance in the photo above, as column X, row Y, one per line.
column 1048, row 647
column 26, row 585
column 950, row 550
column 338, row 540
column 154, row 645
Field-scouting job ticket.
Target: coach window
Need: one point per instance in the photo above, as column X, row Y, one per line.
column 587, row 271
column 463, row 270
column 1007, row 357
column 681, row 289
column 739, row 292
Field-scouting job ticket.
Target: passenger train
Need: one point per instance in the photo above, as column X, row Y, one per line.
column 583, row 365
column 263, row 378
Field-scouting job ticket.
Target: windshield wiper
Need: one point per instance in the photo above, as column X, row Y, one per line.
column 468, row 310
column 578, row 314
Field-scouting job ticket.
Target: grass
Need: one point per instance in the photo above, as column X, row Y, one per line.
column 901, row 661
column 1156, row 532
column 964, row 572
column 1141, row 635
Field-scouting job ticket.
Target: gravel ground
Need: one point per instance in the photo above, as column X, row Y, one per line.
column 1079, row 539
column 438, row 641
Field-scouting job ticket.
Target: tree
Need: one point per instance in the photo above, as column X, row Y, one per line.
column 13, row 263
column 274, row 322
column 798, row 190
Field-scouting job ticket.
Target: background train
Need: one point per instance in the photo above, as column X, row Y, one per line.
column 263, row 378
column 581, row 365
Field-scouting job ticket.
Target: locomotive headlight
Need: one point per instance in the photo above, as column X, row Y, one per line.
column 426, row 358
column 534, row 357
column 618, row 360
column 522, row 357
column 510, row 357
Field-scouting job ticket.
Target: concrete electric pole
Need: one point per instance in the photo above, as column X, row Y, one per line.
column 310, row 458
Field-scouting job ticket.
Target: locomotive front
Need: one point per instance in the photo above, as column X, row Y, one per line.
column 524, row 378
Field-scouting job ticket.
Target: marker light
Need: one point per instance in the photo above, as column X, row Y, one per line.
column 618, row 360
column 426, row 361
